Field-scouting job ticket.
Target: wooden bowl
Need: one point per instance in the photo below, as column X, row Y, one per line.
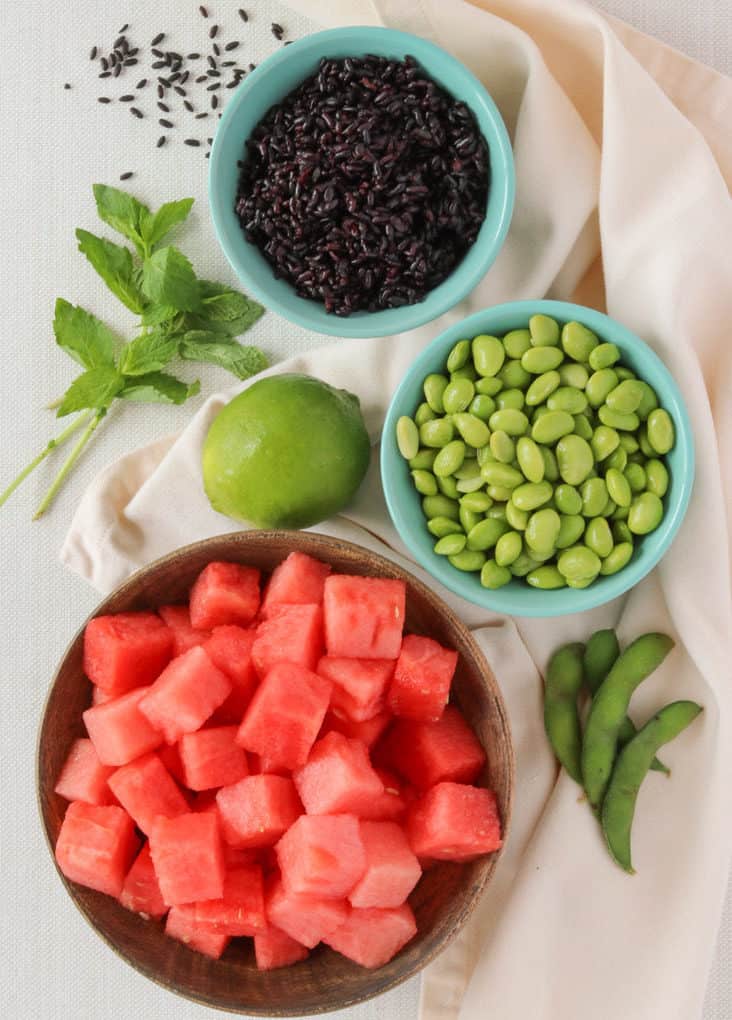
column 325, row 981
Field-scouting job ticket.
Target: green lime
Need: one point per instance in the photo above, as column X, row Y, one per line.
column 286, row 453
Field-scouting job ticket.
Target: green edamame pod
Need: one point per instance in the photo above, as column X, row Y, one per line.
column 598, row 537
column 423, row 413
column 450, row 545
column 578, row 562
column 517, row 342
column 531, row 495
column 603, row 356
column 626, row 396
column 474, row 431
column 518, row 519
column 538, row 360
column 601, row 651
column 514, row 374
column 542, row 530
column 502, row 447
column 448, row 487
column 449, row 459
column 489, row 386
column 571, row 529
column 578, row 341
column 617, row 460
column 618, row 487
column 484, row 534
column 626, row 733
column 502, row 475
column 497, row 512
column 482, row 406
column 466, row 372
column 440, row 506
column 545, row 577
column 468, row 518
column 424, row 482
column 542, row 387
column 552, row 425
column 508, row 548
column 567, row 398
column 434, row 386
column 563, row 682
column 629, row 443
column 656, row 477
column 551, row 468
column 660, row 431
column 493, row 576
column 478, row 502
column 457, row 395
column 645, row 513
column 582, row 427
column 599, row 385
column 594, row 496
column 468, row 485
column 509, row 420
column 575, row 459
column 488, row 355
column 423, row 460
column 407, row 436
column 568, row 500
column 544, row 331
column 436, row 433
column 441, row 526
column 615, row 420
column 635, row 476
column 468, row 560
column 530, row 459
column 510, row 398
column 649, row 400
column 458, row 356
column 573, row 374
column 604, row 442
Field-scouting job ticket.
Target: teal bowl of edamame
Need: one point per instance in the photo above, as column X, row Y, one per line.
column 546, row 467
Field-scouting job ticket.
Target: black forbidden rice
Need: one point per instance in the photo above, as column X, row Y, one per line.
column 366, row 186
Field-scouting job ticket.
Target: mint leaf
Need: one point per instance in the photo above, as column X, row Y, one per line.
column 155, row 226
column 157, row 315
column 96, row 388
column 224, row 311
column 168, row 279
column 122, row 212
column 84, row 337
column 114, row 265
column 148, row 353
column 198, row 345
column 159, row 387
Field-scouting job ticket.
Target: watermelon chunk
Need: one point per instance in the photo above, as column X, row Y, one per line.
column 83, row 776
column 234, row 858
column 298, row 580
column 146, row 789
column 240, row 911
column 371, row 937
column 185, row 636
column 169, row 754
column 422, row 678
column 99, row 696
column 307, row 919
column 119, row 730
column 364, row 616
column 359, row 685
column 289, row 634
column 95, row 846
column 185, row 694
column 322, row 855
column 212, row 758
column 454, row 822
column 261, row 765
column 181, row 925
column 256, row 811
column 337, row 778
column 285, row 714
column 392, row 870
column 188, row 857
column 126, row 650
column 367, row 732
column 427, row 753
column 224, row 593
column 273, row 948
column 230, row 650
column 141, row 892
column 389, row 805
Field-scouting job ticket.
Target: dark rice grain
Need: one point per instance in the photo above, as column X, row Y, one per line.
column 126, row 176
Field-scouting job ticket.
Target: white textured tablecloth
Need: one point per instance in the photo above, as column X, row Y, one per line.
column 54, row 144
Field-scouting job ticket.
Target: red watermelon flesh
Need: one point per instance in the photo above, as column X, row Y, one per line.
column 185, row 694
column 146, row 789
column 422, row 678
column 119, row 730
column 454, row 822
column 371, row 937
column 96, row 845
column 285, row 715
column 181, row 925
column 99, row 696
column 367, row 732
column 169, row 754
column 234, row 858
column 364, row 616
column 289, row 634
column 141, row 892
column 427, row 753
column 230, row 650
column 389, row 805
column 298, row 580
column 185, row 636
column 359, row 685
column 211, row 758
column 322, row 855
column 307, row 919
column 83, row 776
column 188, row 857
column 273, row 948
column 337, row 778
column 392, row 870
column 240, row 911
column 261, row 765
column 256, row 811
column 126, row 650
column 224, row 593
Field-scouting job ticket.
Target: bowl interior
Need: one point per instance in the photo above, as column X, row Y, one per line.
column 265, row 87
column 517, row 598
column 326, row 980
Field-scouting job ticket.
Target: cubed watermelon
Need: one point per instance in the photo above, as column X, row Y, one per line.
column 364, row 616
column 99, row 696
column 126, row 650
column 212, row 758
column 230, row 650
column 224, row 593
column 337, row 778
column 119, row 730
column 372, row 936
column 185, row 635
column 289, row 634
column 141, row 892
column 146, row 789
column 367, row 732
column 169, row 754
column 359, row 685
column 261, row 765
column 240, row 911
column 83, row 776
column 185, row 694
column 256, row 811
column 454, row 822
column 96, row 845
column 422, row 678
column 390, row 805
column 307, row 919
column 234, row 858
column 188, row 857
column 298, row 580
column 392, row 870
column 181, row 925
column 427, row 753
column 285, row 714
column 273, row 948
column 322, row 855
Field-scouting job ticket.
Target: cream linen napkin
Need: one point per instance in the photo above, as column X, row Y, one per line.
column 623, row 159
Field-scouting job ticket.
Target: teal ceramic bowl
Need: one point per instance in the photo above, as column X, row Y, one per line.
column 268, row 85
column 517, row 598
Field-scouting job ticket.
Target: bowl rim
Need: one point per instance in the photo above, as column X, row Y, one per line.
column 563, row 601
column 464, row 277
column 317, row 543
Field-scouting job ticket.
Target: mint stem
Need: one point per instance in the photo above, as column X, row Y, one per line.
column 68, row 465
column 54, row 404
column 76, row 424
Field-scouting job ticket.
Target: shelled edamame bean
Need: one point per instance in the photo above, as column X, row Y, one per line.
column 538, row 455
